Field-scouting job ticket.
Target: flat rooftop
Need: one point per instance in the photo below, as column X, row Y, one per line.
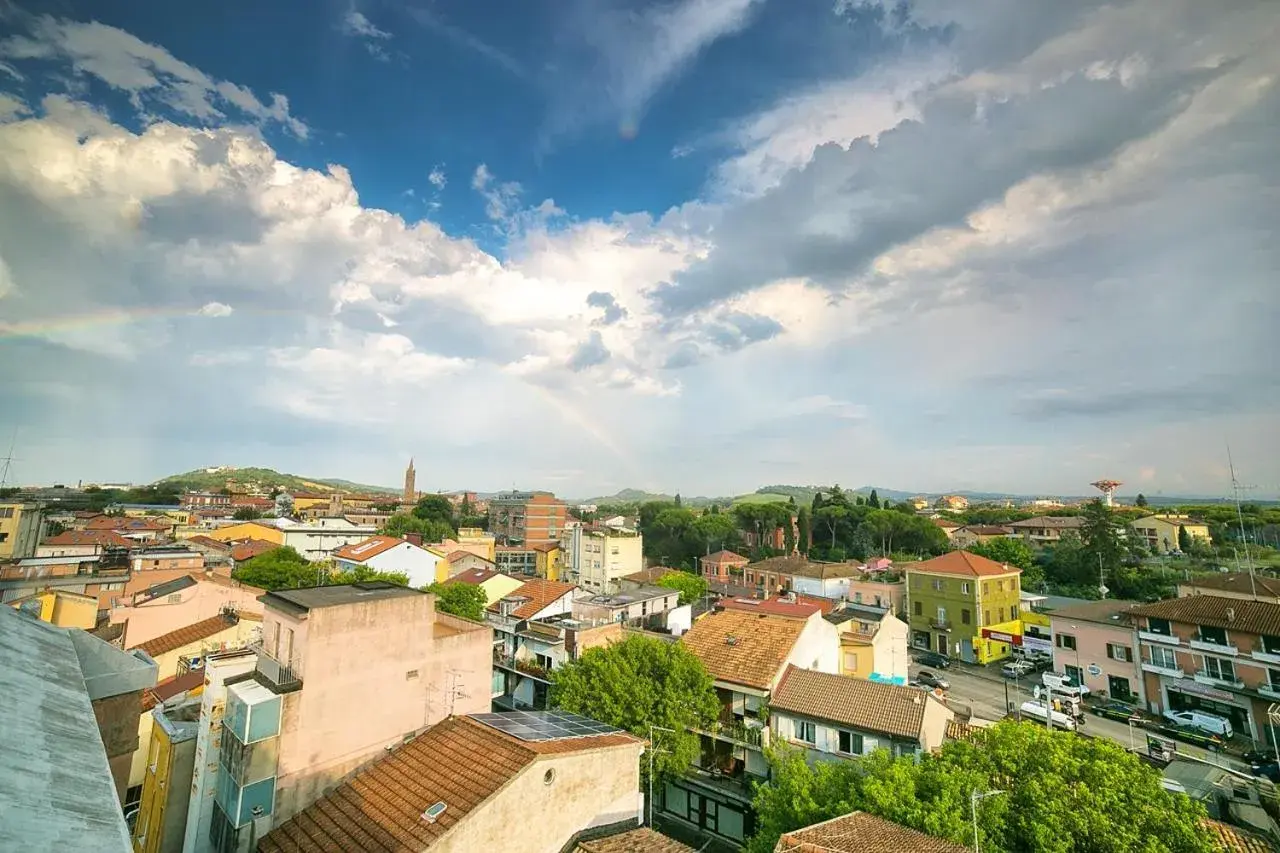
column 311, row 598
column 626, row 597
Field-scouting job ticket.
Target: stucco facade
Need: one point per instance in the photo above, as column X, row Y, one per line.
column 1095, row 643
column 879, row 594
column 205, row 598
column 953, row 597
column 598, row 558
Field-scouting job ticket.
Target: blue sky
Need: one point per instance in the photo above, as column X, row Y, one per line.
column 695, row 245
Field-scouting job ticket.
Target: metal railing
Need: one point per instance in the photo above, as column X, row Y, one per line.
column 285, row 676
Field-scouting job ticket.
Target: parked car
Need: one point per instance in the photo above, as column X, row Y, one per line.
column 1259, row 756
column 1036, row 711
column 1210, row 723
column 1197, row 736
column 1017, row 669
column 1063, row 684
column 928, row 679
column 933, row 659
column 1115, row 710
column 1269, row 770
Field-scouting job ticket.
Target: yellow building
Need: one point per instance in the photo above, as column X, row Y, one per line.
column 1160, row 532
column 248, row 530
column 177, row 514
column 60, row 607
column 166, row 786
column 478, row 541
column 953, row 598
column 19, row 530
column 547, row 561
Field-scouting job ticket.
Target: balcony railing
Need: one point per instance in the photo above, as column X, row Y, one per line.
column 524, row 667
column 1266, row 656
column 285, row 676
column 739, row 732
column 1271, row 691
column 1160, row 669
column 940, row 623
column 1206, row 645
column 1204, row 677
column 1153, row 637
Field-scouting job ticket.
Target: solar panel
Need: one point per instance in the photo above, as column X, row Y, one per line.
column 544, row 725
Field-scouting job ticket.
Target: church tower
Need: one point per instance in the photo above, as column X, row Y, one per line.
column 410, row 493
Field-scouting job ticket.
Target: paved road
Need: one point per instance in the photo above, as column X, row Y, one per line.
column 983, row 689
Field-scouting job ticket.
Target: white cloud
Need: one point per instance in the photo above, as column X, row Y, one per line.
column 11, row 108
column 215, row 309
column 437, row 177
column 354, row 23
column 146, row 72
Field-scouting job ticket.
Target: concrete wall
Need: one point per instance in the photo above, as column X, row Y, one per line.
column 186, row 607
column 118, row 717
column 891, row 595
column 890, row 644
column 1091, row 650
column 586, row 789
column 418, row 563
column 193, row 562
column 818, row 647
column 317, row 543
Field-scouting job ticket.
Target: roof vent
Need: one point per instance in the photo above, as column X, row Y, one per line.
column 1231, row 614
column 433, row 812
column 731, row 641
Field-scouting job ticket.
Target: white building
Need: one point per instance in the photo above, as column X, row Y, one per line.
column 389, row 554
column 317, row 540
column 597, row 558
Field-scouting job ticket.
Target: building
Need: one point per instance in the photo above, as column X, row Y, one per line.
column 410, row 494
column 876, row 590
column 973, row 534
column 204, row 500
column 873, row 643
column 799, row 574
column 836, row 716
column 186, row 600
column 948, row 526
column 21, row 528
column 219, row 668
column 245, row 550
column 1246, row 586
column 533, row 633
column 482, row 782
column 166, row 789
column 1094, row 643
column 859, row 832
column 247, row 530
column 105, row 577
column 1159, row 533
column 598, row 557
column 723, row 566
column 548, row 562
column 318, row 539
column 60, row 607
column 527, row 518
column 954, row 597
column 516, row 560
column 390, row 554
column 1212, row 654
column 1047, row 529
column 70, row 705
column 651, row 607
column 952, row 503
column 82, row 543
column 288, row 736
column 135, row 529
column 167, row 558
column 494, row 584
column 461, row 562
column 746, row 655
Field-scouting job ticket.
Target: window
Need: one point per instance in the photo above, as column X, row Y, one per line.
column 1162, row 657
column 1273, row 679
column 850, row 743
column 1217, row 636
column 1159, row 626
column 1066, row 641
column 965, row 616
column 1270, row 644
column 986, row 617
column 1223, row 670
column 6, row 512
column 937, row 585
column 1000, row 586
column 806, row 732
column 4, row 537
column 964, row 587
column 1115, row 651
column 857, row 598
column 986, row 587
column 919, row 608
column 942, row 615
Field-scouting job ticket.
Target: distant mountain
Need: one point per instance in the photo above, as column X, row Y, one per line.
column 213, row 479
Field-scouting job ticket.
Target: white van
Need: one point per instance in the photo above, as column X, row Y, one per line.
column 1063, row 684
column 1037, row 711
column 1067, row 699
column 1202, row 721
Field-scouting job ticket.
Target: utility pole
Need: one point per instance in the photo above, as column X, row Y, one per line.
column 974, row 798
column 652, row 751
column 1235, row 491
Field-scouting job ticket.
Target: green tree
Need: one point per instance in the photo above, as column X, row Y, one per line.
column 461, row 599
column 364, row 574
column 434, row 508
column 280, row 568
column 1141, row 500
column 430, row 529
column 713, row 532
column 246, row 513
column 679, row 503
column 874, row 500
column 1102, row 538
column 1011, row 552
column 1184, row 540
column 690, row 586
column 1063, row 794
column 805, row 527
column 53, row 528
column 639, row 682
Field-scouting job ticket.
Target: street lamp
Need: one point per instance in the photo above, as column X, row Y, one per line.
column 1273, row 714
column 973, row 811
column 652, row 751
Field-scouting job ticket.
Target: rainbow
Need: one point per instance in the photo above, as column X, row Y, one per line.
column 104, row 317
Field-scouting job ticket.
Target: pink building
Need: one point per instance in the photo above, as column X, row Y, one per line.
column 875, row 593
column 1094, row 643
column 723, row 566
column 185, row 600
column 344, row 674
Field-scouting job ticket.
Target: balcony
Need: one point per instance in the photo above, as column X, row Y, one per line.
column 740, row 732
column 1265, row 656
column 285, row 677
column 523, row 667
column 1215, row 647
column 1271, row 691
column 1170, row 671
column 1203, row 677
column 942, row 624
column 1152, row 637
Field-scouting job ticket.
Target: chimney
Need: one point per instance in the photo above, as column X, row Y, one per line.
column 414, row 538
column 1231, row 614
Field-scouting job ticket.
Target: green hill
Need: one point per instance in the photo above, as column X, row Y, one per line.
column 201, row 480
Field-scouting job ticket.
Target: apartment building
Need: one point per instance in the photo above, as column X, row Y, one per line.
column 874, row 590
column 204, row 500
column 953, row 598
column 1047, row 529
column 186, row 600
column 81, row 543
column 873, row 643
column 974, row 534
column 21, row 528
column 598, row 557
column 166, row 788
column 723, row 566
column 527, row 518
column 288, row 734
column 534, row 632
column 1212, row 654
column 1244, row 586
column 391, row 554
column 651, row 607
column 1160, row 533
column 1094, row 643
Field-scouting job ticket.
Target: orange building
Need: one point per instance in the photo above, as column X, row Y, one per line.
column 527, row 518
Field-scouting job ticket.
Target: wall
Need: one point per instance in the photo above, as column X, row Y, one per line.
column 418, row 563
column 20, row 526
column 817, row 647
column 986, row 602
column 193, row 562
column 890, row 645
column 68, row 550
column 500, row 586
column 1091, row 649
column 317, row 543
column 467, row 562
column 588, row 789
column 602, row 558
column 186, row 607
column 419, row 664
column 247, row 530
column 891, row 595
column 118, row 723
column 827, row 737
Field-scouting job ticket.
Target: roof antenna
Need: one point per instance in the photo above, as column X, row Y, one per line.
column 1235, row 490
column 8, row 460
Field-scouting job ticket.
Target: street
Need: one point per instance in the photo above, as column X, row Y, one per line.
column 982, row 690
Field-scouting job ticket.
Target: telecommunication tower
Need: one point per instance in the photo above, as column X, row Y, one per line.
column 1108, row 489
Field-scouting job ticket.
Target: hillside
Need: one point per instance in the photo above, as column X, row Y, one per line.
column 201, row 480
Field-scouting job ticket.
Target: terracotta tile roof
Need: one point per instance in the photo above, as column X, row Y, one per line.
column 1231, row 839
column 1095, row 611
column 208, row 542
column 474, row 576
column 773, row 606
column 102, row 538
column 960, row 730
column 167, row 688
column 963, row 563
column 250, row 548
column 946, row 522
column 987, row 529
column 743, row 648
column 641, row 840
column 859, row 832
column 201, row 630
column 107, row 522
column 1238, row 582
column 546, row 546
column 722, row 556
column 866, row 705
column 461, row 554
column 805, row 568
column 1249, row 617
column 540, row 593
column 109, row 632
column 371, row 547
column 459, row 762
column 1057, row 522
column 651, row 575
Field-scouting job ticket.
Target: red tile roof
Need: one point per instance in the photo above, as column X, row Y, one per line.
column 167, row 688
column 209, row 542
column 371, row 547
column 963, row 563
column 247, row 549
column 102, row 538
column 641, row 840
column 202, row 630
column 459, row 762
column 540, row 593
column 773, row 606
column 474, row 576
column 722, row 556
column 109, row 522
column 866, row 705
column 461, row 554
column 859, row 832
column 987, row 529
column 744, row 648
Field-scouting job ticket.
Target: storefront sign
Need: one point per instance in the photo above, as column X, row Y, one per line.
column 1197, row 689
column 1036, row 644
column 1000, row 637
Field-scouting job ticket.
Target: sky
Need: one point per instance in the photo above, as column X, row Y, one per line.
column 689, row 245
